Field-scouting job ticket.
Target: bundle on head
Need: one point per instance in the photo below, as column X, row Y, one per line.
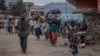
column 52, row 16
column 35, row 17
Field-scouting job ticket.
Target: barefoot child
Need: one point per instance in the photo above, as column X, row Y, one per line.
column 74, row 45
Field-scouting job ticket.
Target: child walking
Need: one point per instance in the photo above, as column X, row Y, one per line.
column 74, row 44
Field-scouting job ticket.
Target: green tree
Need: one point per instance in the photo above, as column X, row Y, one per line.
column 2, row 5
column 18, row 9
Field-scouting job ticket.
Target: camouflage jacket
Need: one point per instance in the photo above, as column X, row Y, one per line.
column 23, row 32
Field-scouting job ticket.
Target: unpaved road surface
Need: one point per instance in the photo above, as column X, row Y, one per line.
column 9, row 46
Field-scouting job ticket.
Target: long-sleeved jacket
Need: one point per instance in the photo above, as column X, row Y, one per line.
column 23, row 28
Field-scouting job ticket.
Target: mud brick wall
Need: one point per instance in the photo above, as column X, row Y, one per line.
column 93, row 21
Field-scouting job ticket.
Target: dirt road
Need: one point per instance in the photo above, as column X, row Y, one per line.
column 9, row 46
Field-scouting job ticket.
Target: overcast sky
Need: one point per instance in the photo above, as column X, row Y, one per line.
column 43, row 2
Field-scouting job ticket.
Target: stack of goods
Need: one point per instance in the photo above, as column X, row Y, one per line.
column 53, row 16
column 34, row 15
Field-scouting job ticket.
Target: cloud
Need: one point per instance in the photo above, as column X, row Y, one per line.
column 43, row 2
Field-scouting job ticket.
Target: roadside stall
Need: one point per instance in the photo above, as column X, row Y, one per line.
column 78, row 19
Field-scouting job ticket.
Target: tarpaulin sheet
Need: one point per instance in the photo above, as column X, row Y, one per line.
column 71, row 17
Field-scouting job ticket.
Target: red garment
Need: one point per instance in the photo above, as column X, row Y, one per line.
column 1, row 22
column 54, row 38
column 71, row 41
column 47, row 35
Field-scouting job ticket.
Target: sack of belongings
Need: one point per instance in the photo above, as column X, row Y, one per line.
column 53, row 16
column 82, row 45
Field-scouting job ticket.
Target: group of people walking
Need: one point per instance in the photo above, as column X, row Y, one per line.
column 38, row 25
column 10, row 25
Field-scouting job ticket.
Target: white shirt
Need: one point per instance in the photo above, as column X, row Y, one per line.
column 37, row 24
column 31, row 22
column 16, row 21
